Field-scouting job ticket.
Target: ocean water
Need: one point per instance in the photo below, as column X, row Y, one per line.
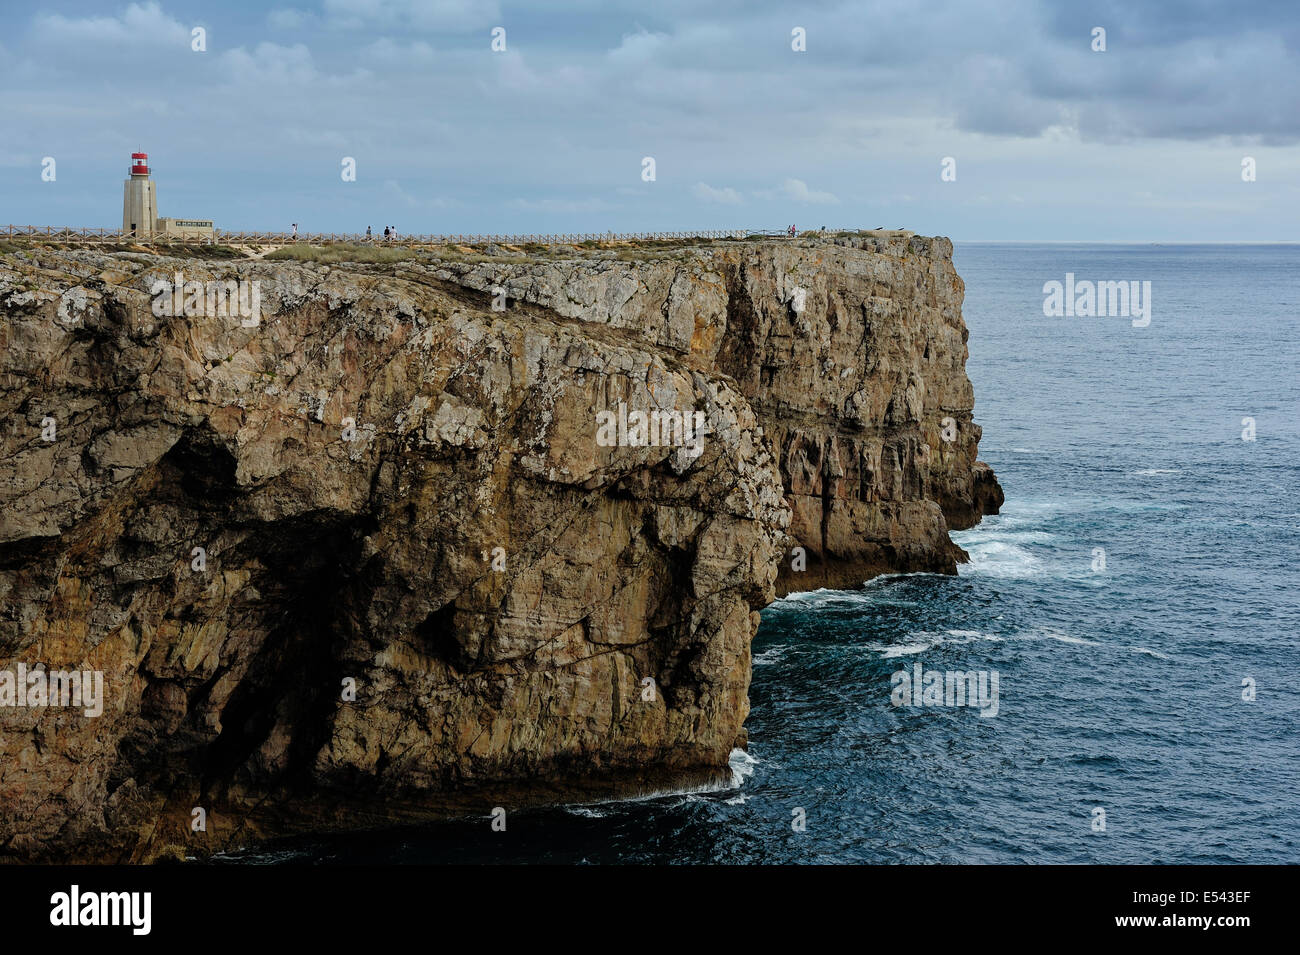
column 1119, row 689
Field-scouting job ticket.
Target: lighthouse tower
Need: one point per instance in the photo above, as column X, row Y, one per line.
column 139, row 199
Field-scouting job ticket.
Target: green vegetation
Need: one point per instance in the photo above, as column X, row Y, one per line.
column 359, row 253
column 342, row 252
column 178, row 251
column 207, row 252
column 453, row 253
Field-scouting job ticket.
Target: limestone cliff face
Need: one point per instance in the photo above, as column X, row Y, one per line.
column 367, row 558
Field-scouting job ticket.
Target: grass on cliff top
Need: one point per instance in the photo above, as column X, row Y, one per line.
column 174, row 251
column 209, row 252
column 342, row 252
column 358, row 254
column 376, row 254
column 192, row 251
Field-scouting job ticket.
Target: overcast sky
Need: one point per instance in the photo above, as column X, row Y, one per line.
column 1051, row 140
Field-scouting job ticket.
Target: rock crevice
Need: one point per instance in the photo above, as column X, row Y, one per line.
column 366, row 559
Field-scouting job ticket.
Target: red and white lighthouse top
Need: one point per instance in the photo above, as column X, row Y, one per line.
column 139, row 164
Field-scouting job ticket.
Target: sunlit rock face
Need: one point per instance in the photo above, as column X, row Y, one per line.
column 349, row 545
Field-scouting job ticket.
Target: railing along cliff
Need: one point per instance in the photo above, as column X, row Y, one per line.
column 223, row 237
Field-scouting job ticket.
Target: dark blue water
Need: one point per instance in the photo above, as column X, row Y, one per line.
column 1119, row 690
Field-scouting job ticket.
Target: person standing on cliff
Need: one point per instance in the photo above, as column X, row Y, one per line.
column 367, row 232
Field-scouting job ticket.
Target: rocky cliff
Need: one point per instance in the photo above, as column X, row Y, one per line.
column 363, row 553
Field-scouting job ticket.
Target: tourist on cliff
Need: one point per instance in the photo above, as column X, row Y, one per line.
column 367, row 232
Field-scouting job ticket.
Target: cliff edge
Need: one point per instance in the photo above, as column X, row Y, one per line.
column 404, row 538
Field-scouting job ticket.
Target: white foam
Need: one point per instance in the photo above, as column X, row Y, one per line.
column 821, row 597
column 1059, row 637
column 1148, row 652
column 999, row 558
column 586, row 811
column 929, row 642
column 769, row 656
column 1077, row 641
column 1006, row 532
column 906, row 650
column 742, row 767
column 1147, row 472
column 883, row 579
column 825, row 597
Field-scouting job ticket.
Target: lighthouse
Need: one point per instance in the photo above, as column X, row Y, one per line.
column 140, row 210
column 139, row 199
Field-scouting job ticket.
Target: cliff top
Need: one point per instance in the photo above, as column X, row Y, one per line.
column 888, row 241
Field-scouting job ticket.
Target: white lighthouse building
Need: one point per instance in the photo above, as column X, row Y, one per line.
column 139, row 199
column 140, row 208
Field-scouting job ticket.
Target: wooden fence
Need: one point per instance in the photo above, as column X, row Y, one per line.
column 222, row 237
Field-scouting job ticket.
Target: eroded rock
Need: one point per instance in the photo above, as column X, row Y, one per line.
column 386, row 485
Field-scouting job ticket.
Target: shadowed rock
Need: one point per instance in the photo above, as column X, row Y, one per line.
column 397, row 488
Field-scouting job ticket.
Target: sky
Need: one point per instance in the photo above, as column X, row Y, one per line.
column 1050, row 138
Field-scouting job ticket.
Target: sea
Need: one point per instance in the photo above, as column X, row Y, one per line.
column 1136, row 599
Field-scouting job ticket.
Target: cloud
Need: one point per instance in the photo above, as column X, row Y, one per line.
column 797, row 190
column 562, row 205
column 639, row 48
column 418, row 14
column 714, row 93
column 386, row 55
column 706, row 193
column 140, row 23
column 283, row 18
column 394, row 189
column 270, row 65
